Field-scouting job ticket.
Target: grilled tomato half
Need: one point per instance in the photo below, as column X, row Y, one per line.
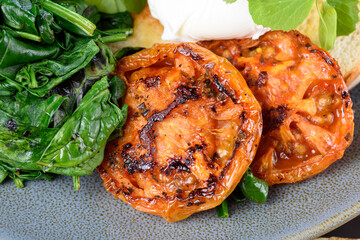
column 192, row 131
column 308, row 120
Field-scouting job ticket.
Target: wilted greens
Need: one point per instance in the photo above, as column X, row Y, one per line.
column 250, row 187
column 58, row 95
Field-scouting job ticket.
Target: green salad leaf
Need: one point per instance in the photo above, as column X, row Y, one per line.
column 280, row 14
column 135, row 6
column 327, row 26
column 337, row 17
column 347, row 15
column 108, row 6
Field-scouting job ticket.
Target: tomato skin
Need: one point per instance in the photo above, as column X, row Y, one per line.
column 192, row 131
column 308, row 120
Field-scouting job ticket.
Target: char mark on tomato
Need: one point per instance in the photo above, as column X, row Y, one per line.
column 188, row 51
column 209, row 190
column 274, row 117
column 308, row 120
column 146, row 162
column 151, row 82
column 201, row 118
column 262, row 79
column 132, row 163
column 175, row 164
column 222, row 89
column 228, row 162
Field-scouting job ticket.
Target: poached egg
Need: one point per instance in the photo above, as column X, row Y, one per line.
column 195, row 20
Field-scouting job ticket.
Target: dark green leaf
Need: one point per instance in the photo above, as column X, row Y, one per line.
column 22, row 147
column 115, row 27
column 327, row 26
column 115, row 21
column 124, row 113
column 118, row 132
column 117, row 89
column 280, row 14
column 92, row 14
column 3, row 173
column 40, row 77
column 254, row 188
column 85, row 168
column 237, row 195
column 122, row 52
column 8, row 87
column 45, row 21
column 86, row 131
column 14, row 54
column 114, row 38
column 347, row 15
column 20, row 15
column 75, row 88
column 30, row 110
column 69, row 20
column 123, row 31
column 24, row 35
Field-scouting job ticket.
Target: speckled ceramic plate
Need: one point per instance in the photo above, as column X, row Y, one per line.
column 51, row 210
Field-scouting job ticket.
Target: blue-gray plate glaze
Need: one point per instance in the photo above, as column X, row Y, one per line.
column 51, row 210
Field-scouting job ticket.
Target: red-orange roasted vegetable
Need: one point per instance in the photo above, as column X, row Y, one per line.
column 308, row 120
column 191, row 133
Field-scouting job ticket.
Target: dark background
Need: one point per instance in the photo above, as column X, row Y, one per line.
column 348, row 230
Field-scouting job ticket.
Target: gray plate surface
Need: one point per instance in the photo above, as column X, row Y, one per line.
column 51, row 210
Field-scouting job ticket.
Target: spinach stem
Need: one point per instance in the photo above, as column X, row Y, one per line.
column 114, row 38
column 29, row 36
column 222, row 210
column 76, row 182
column 33, row 83
column 127, row 31
column 81, row 22
column 19, row 183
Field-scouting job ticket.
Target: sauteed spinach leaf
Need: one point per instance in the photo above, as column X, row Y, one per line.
column 59, row 100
